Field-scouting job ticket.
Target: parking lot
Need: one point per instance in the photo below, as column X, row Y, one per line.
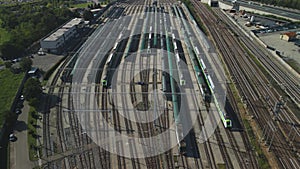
column 271, row 37
column 45, row 62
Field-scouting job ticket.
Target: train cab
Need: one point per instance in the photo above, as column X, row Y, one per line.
column 104, row 82
column 227, row 123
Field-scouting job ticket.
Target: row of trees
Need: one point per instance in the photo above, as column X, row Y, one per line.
column 21, row 25
column 94, row 6
column 295, row 4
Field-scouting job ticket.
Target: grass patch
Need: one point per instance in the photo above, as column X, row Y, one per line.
column 221, row 166
column 294, row 64
column 4, row 35
column 261, row 158
column 81, row 5
column 1, row 62
column 9, row 83
column 32, row 134
column 256, row 61
column 208, row 7
column 293, row 107
column 277, row 17
column 44, row 82
column 192, row 10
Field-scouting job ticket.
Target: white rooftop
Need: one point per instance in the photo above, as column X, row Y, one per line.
column 73, row 22
column 56, row 35
column 96, row 10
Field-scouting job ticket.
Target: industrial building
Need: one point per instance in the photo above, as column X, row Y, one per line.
column 56, row 41
column 213, row 3
column 288, row 36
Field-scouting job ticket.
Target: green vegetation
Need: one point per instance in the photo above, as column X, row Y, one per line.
column 221, row 166
column 4, row 34
column 256, row 61
column 193, row 12
column 21, row 25
column 32, row 134
column 273, row 83
column 262, row 160
column 294, row 64
column 1, row 62
column 276, row 17
column 294, row 108
column 25, row 64
column 209, row 7
column 32, row 91
column 9, row 83
column 87, row 15
column 295, row 4
column 105, row 2
column 81, row 5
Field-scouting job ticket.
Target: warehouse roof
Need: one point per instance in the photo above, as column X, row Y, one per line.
column 73, row 22
column 290, row 34
column 56, row 35
column 59, row 32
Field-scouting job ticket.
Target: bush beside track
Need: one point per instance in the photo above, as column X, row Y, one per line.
column 197, row 19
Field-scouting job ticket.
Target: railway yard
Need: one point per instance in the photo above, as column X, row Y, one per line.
column 147, row 90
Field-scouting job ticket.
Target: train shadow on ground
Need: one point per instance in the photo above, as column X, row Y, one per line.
column 191, row 146
column 236, row 125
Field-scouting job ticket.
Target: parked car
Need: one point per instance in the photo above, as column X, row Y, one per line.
column 141, row 83
column 18, row 111
column 12, row 137
column 22, row 97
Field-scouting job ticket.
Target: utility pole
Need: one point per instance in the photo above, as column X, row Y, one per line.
column 278, row 105
column 269, row 132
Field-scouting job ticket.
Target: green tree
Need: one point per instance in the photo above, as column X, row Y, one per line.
column 26, row 64
column 32, row 89
column 8, row 64
column 87, row 15
column 10, row 117
column 27, row 23
column 10, row 50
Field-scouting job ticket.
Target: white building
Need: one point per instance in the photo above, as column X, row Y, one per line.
column 55, row 42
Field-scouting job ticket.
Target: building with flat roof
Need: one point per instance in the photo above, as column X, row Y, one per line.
column 288, row 36
column 55, row 42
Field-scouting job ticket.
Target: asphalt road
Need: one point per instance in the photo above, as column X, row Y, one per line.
column 19, row 154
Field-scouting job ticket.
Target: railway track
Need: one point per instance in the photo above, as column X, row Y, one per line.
column 208, row 156
column 220, row 140
column 286, row 118
column 273, row 97
column 89, row 155
column 46, row 121
column 60, row 127
column 251, row 96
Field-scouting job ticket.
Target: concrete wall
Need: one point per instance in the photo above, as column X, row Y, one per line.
column 49, row 44
column 70, row 33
